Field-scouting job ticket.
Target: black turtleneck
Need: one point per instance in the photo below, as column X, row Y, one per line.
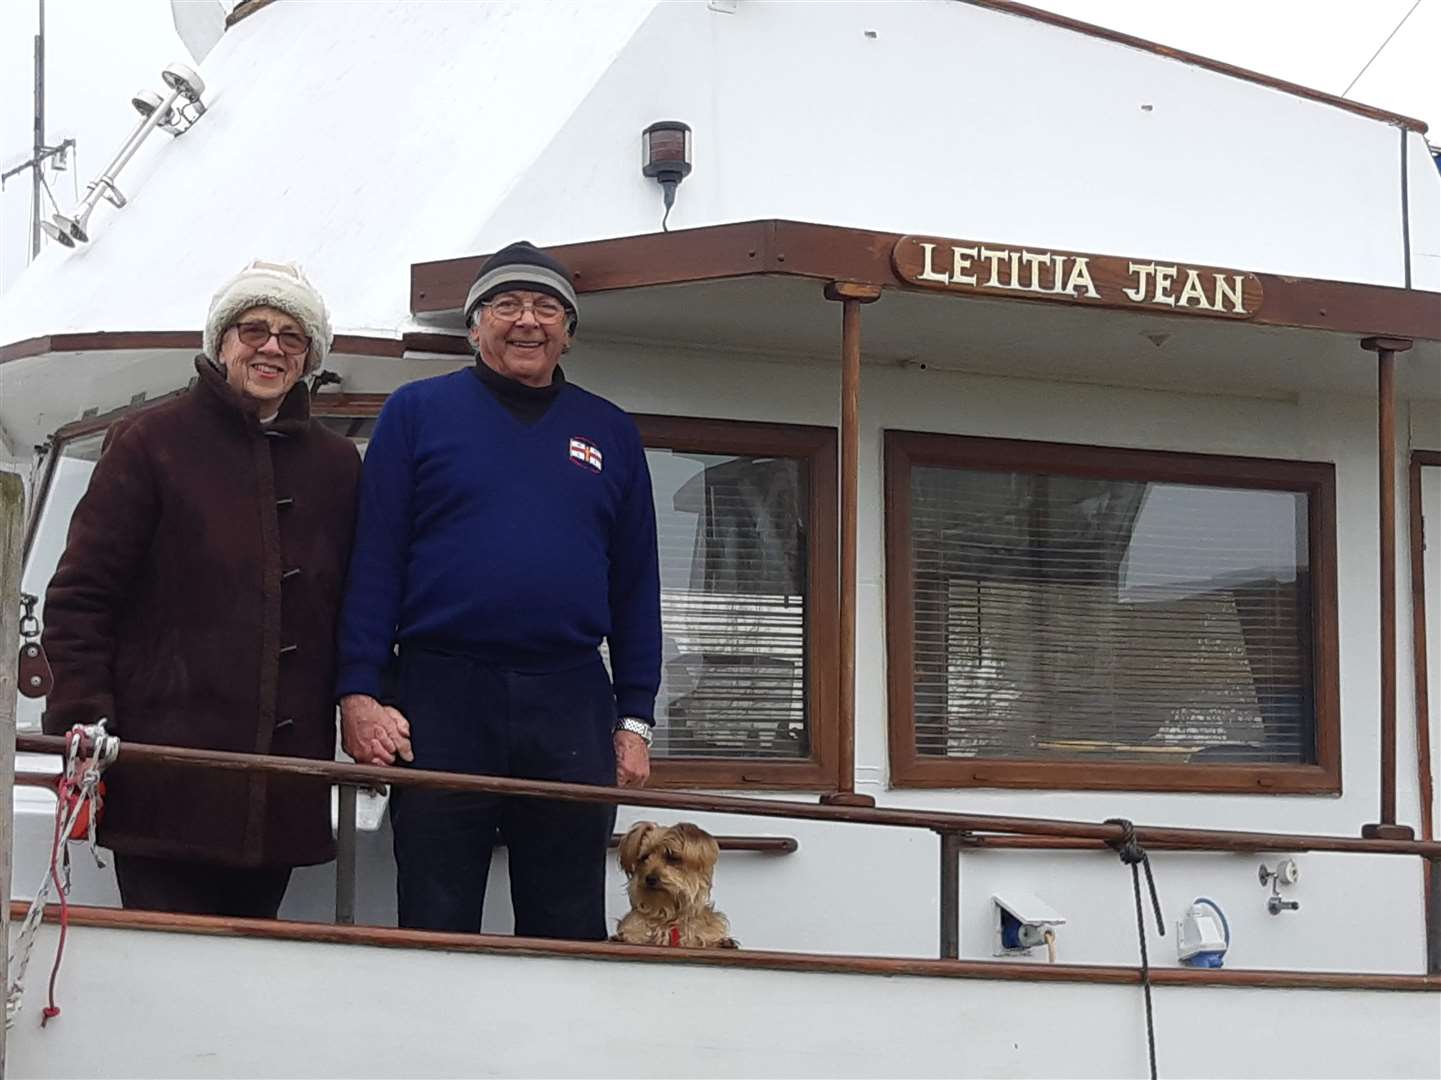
column 526, row 403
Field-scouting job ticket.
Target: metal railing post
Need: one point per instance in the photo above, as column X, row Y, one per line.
column 345, row 858
column 950, row 895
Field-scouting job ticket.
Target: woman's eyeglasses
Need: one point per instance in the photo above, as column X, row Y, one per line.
column 256, row 334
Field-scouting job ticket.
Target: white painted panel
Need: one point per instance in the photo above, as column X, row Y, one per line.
column 154, row 1005
column 1424, row 188
column 943, row 118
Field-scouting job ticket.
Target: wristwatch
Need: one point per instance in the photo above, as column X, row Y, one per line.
column 636, row 727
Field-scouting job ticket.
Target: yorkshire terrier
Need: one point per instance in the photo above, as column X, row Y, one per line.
column 668, row 876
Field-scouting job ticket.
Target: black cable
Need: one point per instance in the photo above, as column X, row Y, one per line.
column 1135, row 856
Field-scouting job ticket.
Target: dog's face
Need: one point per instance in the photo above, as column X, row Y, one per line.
column 669, row 869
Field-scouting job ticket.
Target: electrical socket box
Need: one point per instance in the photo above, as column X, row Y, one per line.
column 1021, row 920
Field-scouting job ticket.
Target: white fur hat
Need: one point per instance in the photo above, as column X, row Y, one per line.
column 267, row 284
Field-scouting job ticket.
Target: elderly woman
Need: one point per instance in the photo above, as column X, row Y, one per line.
column 196, row 605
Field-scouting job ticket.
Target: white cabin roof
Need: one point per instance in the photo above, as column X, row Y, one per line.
column 427, row 130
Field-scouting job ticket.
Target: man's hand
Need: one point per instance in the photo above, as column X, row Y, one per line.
column 372, row 733
column 632, row 760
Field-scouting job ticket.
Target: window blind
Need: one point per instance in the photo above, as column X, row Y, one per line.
column 733, row 564
column 1062, row 617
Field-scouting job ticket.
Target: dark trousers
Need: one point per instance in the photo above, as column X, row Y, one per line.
column 193, row 888
column 468, row 716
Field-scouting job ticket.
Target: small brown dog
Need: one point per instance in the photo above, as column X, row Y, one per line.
column 668, row 876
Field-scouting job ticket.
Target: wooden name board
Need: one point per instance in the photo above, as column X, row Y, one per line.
column 1071, row 277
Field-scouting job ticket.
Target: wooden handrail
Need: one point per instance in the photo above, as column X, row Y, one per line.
column 935, row 820
column 391, row 937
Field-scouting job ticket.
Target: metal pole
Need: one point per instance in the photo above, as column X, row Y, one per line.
column 950, row 896
column 12, row 531
column 39, row 135
column 1386, row 349
column 345, row 858
column 852, row 297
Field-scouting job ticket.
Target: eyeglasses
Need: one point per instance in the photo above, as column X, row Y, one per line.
column 547, row 312
column 257, row 334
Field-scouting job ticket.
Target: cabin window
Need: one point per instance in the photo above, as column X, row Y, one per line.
column 745, row 518
column 1079, row 617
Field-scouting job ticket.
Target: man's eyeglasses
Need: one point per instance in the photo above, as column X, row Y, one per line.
column 256, row 334
column 547, row 312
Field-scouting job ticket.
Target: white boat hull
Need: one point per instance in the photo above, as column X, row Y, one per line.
column 147, row 1004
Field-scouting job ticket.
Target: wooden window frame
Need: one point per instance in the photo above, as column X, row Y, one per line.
column 905, row 449
column 816, row 446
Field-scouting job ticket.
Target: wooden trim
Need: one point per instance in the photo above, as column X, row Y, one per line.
column 92, row 425
column 494, row 944
column 100, row 341
column 816, row 446
column 1420, row 659
column 1386, row 489
column 12, row 545
column 904, row 450
column 188, row 340
column 40, row 489
column 1025, row 11
column 934, row 820
column 863, row 257
column 446, row 344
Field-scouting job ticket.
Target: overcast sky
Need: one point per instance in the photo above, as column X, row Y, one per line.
column 98, row 54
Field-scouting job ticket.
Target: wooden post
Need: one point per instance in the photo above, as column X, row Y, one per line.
column 345, row 855
column 1425, row 782
column 1433, row 915
column 950, row 895
column 852, row 296
column 1386, row 350
column 12, row 531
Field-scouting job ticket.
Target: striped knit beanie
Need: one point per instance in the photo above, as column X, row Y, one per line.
column 523, row 266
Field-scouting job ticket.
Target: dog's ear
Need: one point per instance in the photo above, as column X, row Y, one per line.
column 700, row 846
column 633, row 843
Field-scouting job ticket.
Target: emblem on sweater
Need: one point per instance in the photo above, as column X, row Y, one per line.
column 585, row 454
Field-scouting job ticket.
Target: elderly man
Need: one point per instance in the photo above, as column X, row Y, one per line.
column 506, row 529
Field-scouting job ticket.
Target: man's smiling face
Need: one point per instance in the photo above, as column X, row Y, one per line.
column 523, row 349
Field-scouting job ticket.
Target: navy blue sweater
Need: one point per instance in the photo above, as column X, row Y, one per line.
column 521, row 545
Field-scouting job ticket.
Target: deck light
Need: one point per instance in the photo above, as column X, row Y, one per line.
column 175, row 113
column 665, row 156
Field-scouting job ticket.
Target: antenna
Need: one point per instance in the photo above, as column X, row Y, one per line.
column 175, row 113
column 39, row 152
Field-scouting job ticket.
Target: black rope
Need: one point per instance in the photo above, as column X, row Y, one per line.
column 1134, row 856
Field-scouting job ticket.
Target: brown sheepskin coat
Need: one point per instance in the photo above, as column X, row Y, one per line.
column 196, row 605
